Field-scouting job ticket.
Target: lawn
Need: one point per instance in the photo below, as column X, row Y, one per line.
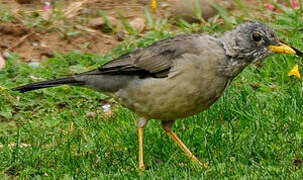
column 255, row 131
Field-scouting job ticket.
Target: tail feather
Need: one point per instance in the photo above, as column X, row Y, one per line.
column 50, row 83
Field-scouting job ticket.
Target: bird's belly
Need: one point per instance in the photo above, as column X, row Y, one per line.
column 171, row 98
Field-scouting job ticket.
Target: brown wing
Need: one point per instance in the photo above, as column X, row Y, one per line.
column 155, row 60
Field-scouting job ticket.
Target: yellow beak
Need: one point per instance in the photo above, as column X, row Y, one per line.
column 282, row 48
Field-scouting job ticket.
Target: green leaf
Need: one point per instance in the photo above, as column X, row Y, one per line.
column 6, row 111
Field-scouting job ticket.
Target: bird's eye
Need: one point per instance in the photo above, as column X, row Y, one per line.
column 257, row 37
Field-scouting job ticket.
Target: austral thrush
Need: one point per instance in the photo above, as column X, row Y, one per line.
column 177, row 77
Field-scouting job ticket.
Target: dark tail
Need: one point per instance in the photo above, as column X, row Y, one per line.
column 46, row 84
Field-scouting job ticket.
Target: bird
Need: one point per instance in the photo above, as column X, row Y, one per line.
column 177, row 77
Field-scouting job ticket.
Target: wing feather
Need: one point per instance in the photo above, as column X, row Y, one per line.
column 155, row 60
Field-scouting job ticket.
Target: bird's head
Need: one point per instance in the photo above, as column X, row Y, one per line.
column 252, row 41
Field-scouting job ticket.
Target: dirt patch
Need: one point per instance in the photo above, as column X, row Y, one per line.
column 33, row 45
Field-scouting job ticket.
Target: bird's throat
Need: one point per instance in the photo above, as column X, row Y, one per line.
column 233, row 67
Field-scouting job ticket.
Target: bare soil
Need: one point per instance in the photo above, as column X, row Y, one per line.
column 35, row 45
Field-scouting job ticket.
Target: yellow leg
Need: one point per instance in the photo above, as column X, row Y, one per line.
column 184, row 148
column 141, row 152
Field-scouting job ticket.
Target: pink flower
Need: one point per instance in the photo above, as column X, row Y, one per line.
column 269, row 6
column 272, row 7
column 47, row 6
column 294, row 4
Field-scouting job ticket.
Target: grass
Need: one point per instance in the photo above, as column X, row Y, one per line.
column 255, row 131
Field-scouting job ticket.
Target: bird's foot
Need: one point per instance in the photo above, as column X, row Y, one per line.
column 142, row 167
column 197, row 161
